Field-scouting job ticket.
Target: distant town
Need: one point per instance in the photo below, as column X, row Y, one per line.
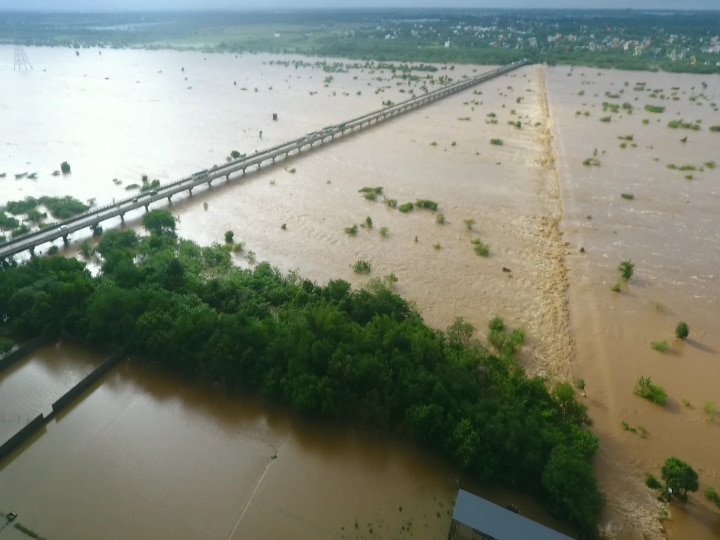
column 641, row 40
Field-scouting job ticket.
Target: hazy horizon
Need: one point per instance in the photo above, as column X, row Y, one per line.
column 184, row 5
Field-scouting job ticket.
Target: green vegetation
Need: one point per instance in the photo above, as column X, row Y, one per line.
column 714, row 129
column 361, row 267
column 6, row 344
column 440, row 218
column 645, row 388
column 606, row 119
column 469, row 223
column 712, row 495
column 149, row 185
column 8, row 223
column 371, row 193
column 640, row 431
column 709, row 165
column 21, row 207
column 616, row 287
column 358, row 357
column 352, row 231
column 407, row 207
column 497, row 142
column 628, row 196
column 679, row 477
column 383, row 231
column 159, row 223
column 63, row 207
column 652, row 482
column 682, row 330
column 626, row 269
column 675, row 124
column 65, row 167
column 710, row 410
column 368, row 223
column 480, row 248
column 392, row 203
column 591, row 162
column 437, row 246
column 229, row 237
column 425, row 203
column 659, row 346
column 654, row 109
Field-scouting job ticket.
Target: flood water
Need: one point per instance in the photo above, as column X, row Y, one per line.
column 32, row 385
column 145, row 454
column 121, row 114
column 671, row 231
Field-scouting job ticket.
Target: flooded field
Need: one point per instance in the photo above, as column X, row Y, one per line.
column 528, row 197
column 671, row 231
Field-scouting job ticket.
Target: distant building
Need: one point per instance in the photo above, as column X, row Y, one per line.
column 475, row 518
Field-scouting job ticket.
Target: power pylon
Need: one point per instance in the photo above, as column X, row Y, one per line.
column 21, row 61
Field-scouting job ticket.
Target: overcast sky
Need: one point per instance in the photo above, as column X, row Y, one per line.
column 162, row 5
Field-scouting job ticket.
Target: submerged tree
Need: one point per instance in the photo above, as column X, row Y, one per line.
column 679, row 477
column 626, row 269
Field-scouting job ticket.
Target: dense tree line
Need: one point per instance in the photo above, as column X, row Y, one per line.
column 359, row 357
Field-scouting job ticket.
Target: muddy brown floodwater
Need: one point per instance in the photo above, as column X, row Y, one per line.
column 530, row 200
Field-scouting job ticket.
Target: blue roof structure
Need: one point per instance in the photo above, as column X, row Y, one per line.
column 496, row 521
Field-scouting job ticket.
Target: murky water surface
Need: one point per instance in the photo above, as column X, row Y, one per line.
column 121, row 114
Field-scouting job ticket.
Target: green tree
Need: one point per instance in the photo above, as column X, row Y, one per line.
column 680, row 477
column 160, row 223
column 65, row 167
column 682, row 330
column 229, row 237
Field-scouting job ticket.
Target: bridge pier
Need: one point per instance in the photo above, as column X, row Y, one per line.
column 169, row 199
column 227, row 177
column 147, row 207
column 65, row 239
column 190, row 190
column 32, row 251
column 122, row 219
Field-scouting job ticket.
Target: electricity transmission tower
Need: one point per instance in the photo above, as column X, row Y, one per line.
column 21, row 61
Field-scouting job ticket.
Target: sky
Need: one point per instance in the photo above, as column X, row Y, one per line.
column 163, row 5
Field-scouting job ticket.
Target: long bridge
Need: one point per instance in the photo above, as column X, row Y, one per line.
column 93, row 218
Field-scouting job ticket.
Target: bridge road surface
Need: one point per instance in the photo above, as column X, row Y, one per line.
column 93, row 218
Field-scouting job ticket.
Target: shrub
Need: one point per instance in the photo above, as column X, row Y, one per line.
column 352, row 231
column 437, row 246
column 440, row 218
column 496, row 324
column 497, row 142
column 371, row 193
column 659, row 346
column 680, row 477
column 606, row 119
column 392, row 203
column 714, row 128
column 580, row 384
column 469, row 223
column 65, row 167
column 361, row 267
column 53, row 250
column 407, row 207
column 628, row 196
column 616, row 287
column 368, row 222
column 481, row 248
column 652, row 482
column 591, row 162
column 682, row 330
column 645, row 389
column 709, row 165
column 425, row 203
column 626, row 269
column 229, row 237
column 383, row 231
column 712, row 495
column 283, row 226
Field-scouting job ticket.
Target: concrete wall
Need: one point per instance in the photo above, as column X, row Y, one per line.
column 21, row 436
column 84, row 384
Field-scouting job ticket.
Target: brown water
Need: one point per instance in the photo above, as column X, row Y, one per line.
column 671, row 231
column 149, row 455
column 122, row 128
column 31, row 386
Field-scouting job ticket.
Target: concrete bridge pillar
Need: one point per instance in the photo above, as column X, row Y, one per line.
column 227, row 177
column 147, row 207
column 65, row 239
column 122, row 218
column 32, row 251
column 169, row 199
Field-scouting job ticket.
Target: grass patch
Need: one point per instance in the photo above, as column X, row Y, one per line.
column 659, row 346
column 392, row 203
column 646, row 389
column 681, row 124
column 351, row 231
column 383, row 231
column 714, row 129
column 407, row 207
column 654, row 109
column 437, row 246
column 591, row 162
column 628, row 196
column 496, row 142
column 710, row 410
column 361, row 267
column 709, row 165
column 480, row 248
column 426, row 203
column 440, row 218
column 606, row 119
